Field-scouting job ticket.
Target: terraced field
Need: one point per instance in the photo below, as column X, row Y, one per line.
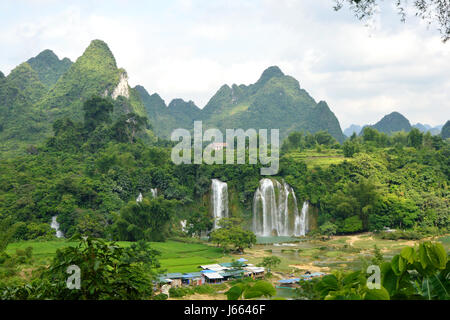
column 175, row 256
column 323, row 159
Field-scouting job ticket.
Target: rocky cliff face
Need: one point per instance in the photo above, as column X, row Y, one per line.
column 122, row 88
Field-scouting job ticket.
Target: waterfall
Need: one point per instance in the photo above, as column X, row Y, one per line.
column 301, row 221
column 139, row 198
column 55, row 225
column 219, row 200
column 154, row 192
column 275, row 210
column 183, row 225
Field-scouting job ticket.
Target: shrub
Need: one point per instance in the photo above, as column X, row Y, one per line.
column 160, row 296
column 400, row 234
column 180, row 292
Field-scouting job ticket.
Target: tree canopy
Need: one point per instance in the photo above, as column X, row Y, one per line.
column 432, row 11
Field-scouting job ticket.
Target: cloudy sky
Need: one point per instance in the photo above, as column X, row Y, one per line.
column 189, row 48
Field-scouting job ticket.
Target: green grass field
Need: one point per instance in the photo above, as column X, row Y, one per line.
column 323, row 159
column 175, row 256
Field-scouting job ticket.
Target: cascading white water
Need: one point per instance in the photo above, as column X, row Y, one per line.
column 275, row 210
column 55, row 225
column 183, row 225
column 154, row 192
column 301, row 221
column 219, row 200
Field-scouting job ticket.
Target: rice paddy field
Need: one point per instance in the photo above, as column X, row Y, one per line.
column 324, row 159
column 175, row 256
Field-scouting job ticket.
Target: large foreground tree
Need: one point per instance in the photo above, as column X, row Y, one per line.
column 232, row 235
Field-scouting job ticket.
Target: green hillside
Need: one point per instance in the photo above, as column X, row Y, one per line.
column 44, row 89
column 94, row 73
column 48, row 67
column 275, row 101
column 445, row 133
column 20, row 120
column 393, row 122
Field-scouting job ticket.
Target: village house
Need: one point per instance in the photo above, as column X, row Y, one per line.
column 210, row 274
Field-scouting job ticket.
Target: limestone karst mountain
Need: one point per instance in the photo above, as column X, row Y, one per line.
column 275, row 101
column 45, row 88
column 393, row 122
column 445, row 132
column 354, row 128
column 49, row 67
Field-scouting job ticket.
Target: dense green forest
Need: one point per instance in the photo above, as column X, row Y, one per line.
column 89, row 174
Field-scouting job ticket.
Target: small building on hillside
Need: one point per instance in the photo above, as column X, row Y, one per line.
column 214, row 267
column 213, row 277
column 172, row 279
column 308, row 276
column 232, row 274
column 233, row 265
column 254, row 272
column 193, row 278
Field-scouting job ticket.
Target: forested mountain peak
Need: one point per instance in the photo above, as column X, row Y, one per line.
column 24, row 78
column 270, row 73
column 161, row 118
column 353, row 128
column 445, row 132
column 393, row 122
column 22, row 75
column 422, row 127
column 30, row 107
column 323, row 104
column 428, row 128
column 274, row 101
column 95, row 72
column 49, row 67
column 2, row 76
column 153, row 103
column 142, row 91
column 47, row 55
column 145, row 95
column 99, row 53
column 179, row 105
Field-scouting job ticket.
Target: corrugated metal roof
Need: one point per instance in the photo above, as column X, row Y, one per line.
column 192, row 275
column 172, row 275
column 289, row 280
column 209, row 266
column 231, row 273
column 208, row 271
column 175, row 275
column 226, row 264
column 213, row 275
column 230, row 264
